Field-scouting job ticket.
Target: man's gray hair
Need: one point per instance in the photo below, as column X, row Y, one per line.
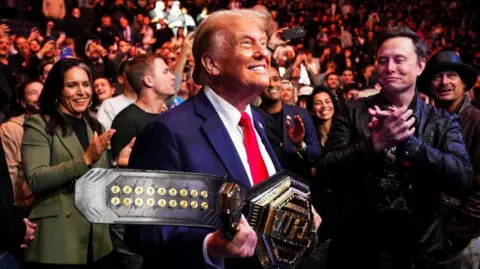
column 214, row 25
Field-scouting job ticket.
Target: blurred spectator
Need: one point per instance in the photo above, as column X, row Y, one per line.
column 119, row 9
column 109, row 109
column 106, row 31
column 175, row 18
column 347, row 76
column 103, row 90
column 303, row 93
column 45, row 69
column 12, row 133
column 332, row 81
column 77, row 26
column 350, row 91
column 98, row 61
column 288, row 93
column 147, row 34
column 128, row 33
column 321, row 105
column 59, row 145
column 54, row 9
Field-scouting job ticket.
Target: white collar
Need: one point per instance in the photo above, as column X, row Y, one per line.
column 227, row 112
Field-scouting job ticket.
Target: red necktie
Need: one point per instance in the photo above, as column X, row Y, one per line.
column 258, row 169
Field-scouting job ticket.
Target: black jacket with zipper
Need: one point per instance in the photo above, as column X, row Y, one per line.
column 433, row 160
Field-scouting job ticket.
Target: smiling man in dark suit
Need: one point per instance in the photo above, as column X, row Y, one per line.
column 289, row 129
column 217, row 133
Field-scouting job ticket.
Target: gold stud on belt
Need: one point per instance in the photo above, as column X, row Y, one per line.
column 127, row 201
column 138, row 190
column 150, row 202
column 183, row 192
column 139, row 202
column 115, row 189
column 162, row 191
column 115, row 201
column 150, row 191
column 127, row 189
column 194, row 193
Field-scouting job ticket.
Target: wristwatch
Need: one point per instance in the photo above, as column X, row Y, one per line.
column 302, row 150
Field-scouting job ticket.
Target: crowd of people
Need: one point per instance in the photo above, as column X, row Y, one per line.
column 376, row 105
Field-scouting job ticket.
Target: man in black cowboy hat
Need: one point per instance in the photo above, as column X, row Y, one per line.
column 447, row 80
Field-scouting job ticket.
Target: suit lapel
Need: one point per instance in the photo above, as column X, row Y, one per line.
column 71, row 144
column 219, row 138
column 261, row 132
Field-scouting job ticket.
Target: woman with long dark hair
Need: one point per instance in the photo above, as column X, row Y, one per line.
column 60, row 145
column 322, row 104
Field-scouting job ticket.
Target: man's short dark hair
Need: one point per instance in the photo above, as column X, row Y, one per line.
column 404, row 31
column 138, row 68
column 330, row 74
column 347, row 69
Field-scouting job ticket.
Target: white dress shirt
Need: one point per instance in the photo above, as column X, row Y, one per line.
column 230, row 117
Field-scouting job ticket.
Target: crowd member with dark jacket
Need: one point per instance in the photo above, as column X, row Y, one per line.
column 295, row 143
column 388, row 158
column 447, row 80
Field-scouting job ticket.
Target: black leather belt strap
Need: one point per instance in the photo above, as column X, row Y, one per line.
column 145, row 197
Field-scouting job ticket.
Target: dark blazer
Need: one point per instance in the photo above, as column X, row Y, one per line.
column 12, row 227
column 189, row 138
column 135, row 36
column 290, row 159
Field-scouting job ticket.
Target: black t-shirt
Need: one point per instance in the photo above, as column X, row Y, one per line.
column 127, row 124
column 390, row 199
column 274, row 130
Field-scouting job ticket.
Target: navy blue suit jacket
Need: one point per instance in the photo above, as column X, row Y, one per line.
column 189, row 138
column 291, row 160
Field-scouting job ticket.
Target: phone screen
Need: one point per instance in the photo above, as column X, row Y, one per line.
column 66, row 52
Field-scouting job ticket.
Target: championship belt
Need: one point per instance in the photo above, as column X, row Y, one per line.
column 278, row 209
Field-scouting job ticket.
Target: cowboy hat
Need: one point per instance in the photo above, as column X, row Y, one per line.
column 446, row 61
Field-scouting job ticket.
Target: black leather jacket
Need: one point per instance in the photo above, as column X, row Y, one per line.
column 434, row 159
